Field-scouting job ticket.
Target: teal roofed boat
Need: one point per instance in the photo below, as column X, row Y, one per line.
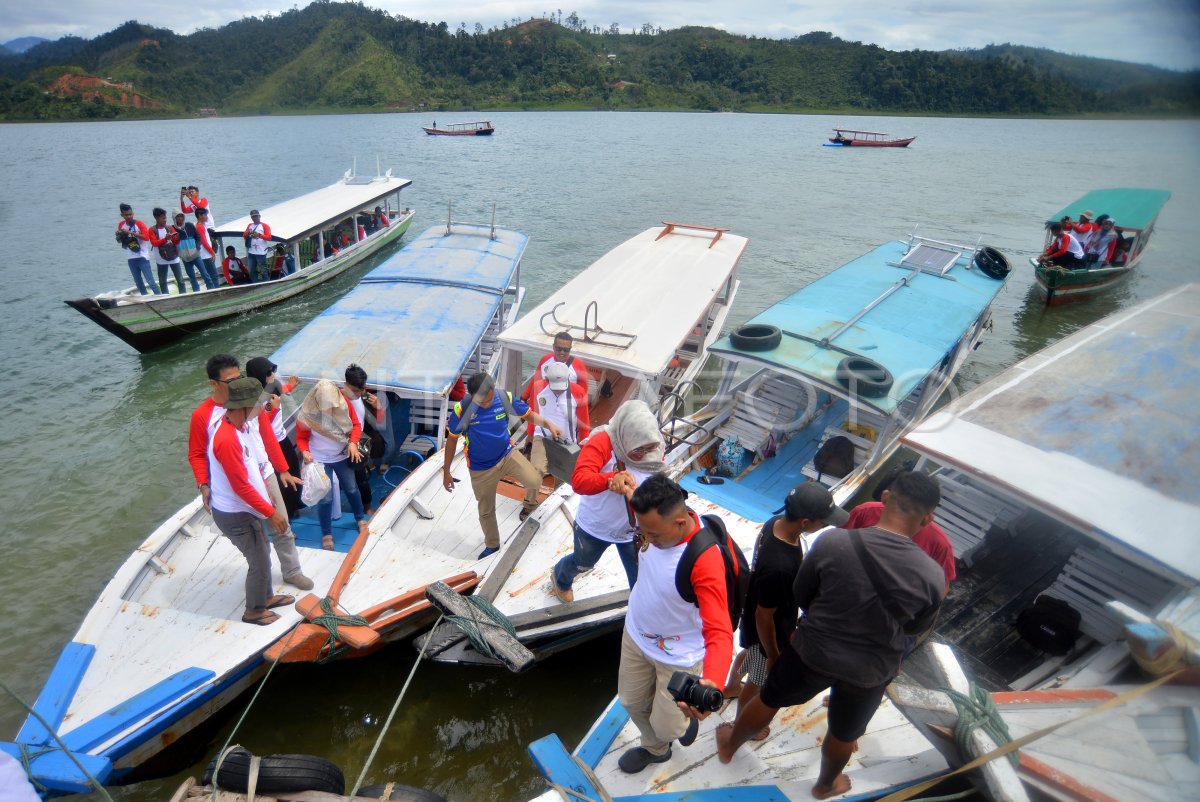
column 850, row 362
column 1132, row 208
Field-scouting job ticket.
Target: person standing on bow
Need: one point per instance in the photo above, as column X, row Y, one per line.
column 327, row 432
column 258, row 241
column 612, row 464
column 165, row 239
column 134, row 239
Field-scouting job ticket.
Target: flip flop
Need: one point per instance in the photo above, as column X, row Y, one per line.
column 280, row 600
column 262, row 621
column 327, row 542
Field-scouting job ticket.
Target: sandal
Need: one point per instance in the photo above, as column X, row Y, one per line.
column 327, row 542
column 362, row 527
column 266, row 618
column 761, row 735
column 280, row 600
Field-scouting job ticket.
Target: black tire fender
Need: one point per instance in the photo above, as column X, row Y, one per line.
column 277, row 774
column 401, row 793
column 756, row 337
column 993, row 263
column 865, row 376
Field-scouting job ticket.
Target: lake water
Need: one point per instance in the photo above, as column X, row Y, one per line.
column 93, row 435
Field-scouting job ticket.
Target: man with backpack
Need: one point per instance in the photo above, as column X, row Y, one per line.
column 483, row 424
column 863, row 593
column 189, row 249
column 679, row 617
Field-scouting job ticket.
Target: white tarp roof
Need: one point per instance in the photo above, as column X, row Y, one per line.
column 1098, row 430
column 656, row 289
column 309, row 213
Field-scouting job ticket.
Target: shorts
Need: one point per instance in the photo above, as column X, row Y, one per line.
column 792, row 682
column 755, row 665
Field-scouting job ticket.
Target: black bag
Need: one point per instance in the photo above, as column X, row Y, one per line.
column 835, row 457
column 737, row 570
column 1050, row 625
column 169, row 250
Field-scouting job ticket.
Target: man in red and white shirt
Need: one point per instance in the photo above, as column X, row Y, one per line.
column 240, row 501
column 222, row 370
column 258, row 242
column 663, row 632
column 563, row 404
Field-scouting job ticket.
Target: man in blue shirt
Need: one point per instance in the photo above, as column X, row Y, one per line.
column 483, row 421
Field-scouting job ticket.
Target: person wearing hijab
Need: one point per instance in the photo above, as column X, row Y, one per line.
column 613, row 462
column 327, row 432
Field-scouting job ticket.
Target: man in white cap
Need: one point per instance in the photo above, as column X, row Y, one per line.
column 563, row 404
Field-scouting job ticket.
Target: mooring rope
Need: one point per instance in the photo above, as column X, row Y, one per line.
column 473, row 626
column 331, row 621
column 977, row 710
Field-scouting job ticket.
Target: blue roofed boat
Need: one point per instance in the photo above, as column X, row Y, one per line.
column 164, row 647
column 861, row 354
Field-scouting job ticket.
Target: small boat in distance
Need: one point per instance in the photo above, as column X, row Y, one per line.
column 1134, row 212
column 482, row 128
column 847, row 137
column 148, row 322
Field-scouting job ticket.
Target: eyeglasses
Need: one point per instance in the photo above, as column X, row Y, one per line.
column 562, row 349
column 227, row 381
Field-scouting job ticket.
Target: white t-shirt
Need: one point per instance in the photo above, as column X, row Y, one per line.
column 665, row 627
column 605, row 516
column 160, row 232
column 253, row 455
column 258, row 246
column 144, row 245
column 555, row 407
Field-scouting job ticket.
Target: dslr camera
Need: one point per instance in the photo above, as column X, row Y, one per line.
column 686, row 688
column 126, row 239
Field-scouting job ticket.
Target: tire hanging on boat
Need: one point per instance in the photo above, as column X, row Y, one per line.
column 992, row 263
column 277, row 773
column 756, row 337
column 866, row 377
column 401, row 793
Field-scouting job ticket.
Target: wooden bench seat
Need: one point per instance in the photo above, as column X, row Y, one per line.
column 1093, row 576
column 968, row 513
column 775, row 403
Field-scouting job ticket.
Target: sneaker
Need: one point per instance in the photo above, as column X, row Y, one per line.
column 689, row 735
column 488, row 552
column 299, row 581
column 638, row 758
column 565, row 596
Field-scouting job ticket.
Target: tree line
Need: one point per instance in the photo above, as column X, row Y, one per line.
column 348, row 56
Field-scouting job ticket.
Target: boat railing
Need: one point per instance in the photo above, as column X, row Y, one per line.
column 669, row 228
column 451, row 222
column 590, row 331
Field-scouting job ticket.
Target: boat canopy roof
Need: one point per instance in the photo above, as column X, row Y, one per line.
column 413, row 322
column 852, row 131
column 910, row 332
column 306, row 215
column 1097, row 430
column 649, row 293
column 1131, row 208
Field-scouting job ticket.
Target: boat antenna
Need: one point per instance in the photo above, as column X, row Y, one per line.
column 449, row 215
column 377, row 165
column 493, row 235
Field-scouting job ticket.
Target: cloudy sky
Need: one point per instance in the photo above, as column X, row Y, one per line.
column 1161, row 32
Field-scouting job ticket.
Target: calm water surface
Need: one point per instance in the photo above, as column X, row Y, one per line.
column 92, row 435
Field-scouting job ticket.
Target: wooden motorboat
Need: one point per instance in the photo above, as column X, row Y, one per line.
column 481, row 128
column 848, row 137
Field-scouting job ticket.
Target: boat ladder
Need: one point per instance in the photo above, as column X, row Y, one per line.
column 590, row 331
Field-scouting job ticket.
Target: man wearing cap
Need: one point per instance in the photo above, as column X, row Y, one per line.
column 241, row 505
column 223, row 370
column 563, row 404
column 258, row 239
column 483, row 425
column 770, row 613
column 863, row 593
column 1085, row 229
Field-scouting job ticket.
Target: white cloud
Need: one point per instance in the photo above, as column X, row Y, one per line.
column 1161, row 32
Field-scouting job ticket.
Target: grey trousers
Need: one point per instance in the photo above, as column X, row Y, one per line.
column 285, row 543
column 246, row 532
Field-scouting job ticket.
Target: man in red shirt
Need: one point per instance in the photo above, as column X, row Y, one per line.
column 663, row 632
column 240, row 503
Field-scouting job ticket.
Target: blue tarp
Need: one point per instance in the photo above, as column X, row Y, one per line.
column 412, row 322
column 909, row 333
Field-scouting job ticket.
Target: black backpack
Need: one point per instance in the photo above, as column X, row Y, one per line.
column 835, row 457
column 737, row 570
column 1049, row 624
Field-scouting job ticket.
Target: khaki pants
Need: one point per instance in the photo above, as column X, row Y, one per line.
column 642, row 689
column 285, row 542
column 538, row 458
column 484, row 484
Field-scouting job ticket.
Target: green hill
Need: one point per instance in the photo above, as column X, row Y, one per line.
column 346, row 56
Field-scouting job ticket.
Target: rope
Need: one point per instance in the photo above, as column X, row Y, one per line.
column 388, row 723
column 602, row 793
column 331, row 621
column 27, row 759
column 473, row 626
column 1012, row 746
column 1176, row 656
column 976, row 710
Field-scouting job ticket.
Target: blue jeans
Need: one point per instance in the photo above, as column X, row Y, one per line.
column 142, row 274
column 162, row 277
column 345, row 475
column 253, row 262
column 587, row 553
column 208, row 272
column 191, row 268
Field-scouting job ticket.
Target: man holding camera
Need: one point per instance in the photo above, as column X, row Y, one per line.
column 664, row 634
column 863, row 593
column 134, row 239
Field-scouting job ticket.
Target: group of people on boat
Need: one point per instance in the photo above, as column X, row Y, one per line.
column 1082, row 243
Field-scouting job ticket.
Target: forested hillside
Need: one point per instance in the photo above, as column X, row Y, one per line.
column 346, row 56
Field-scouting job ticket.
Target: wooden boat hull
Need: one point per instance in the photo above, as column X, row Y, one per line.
column 443, row 132
column 148, row 322
column 1060, row 286
column 866, row 143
